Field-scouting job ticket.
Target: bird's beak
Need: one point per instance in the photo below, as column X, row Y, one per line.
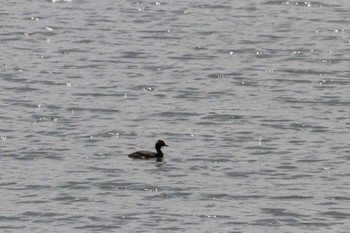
column 165, row 145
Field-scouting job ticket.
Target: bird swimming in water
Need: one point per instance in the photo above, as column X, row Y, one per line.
column 143, row 154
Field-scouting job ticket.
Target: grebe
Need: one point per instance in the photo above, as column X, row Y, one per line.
column 143, row 154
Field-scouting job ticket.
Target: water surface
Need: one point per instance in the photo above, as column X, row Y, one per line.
column 252, row 97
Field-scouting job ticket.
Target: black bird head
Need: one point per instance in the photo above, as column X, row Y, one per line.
column 160, row 143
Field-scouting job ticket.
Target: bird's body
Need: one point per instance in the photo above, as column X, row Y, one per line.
column 143, row 154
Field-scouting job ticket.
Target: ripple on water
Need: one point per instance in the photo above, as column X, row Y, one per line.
column 296, row 3
column 225, row 196
column 46, row 118
column 108, row 134
column 335, row 214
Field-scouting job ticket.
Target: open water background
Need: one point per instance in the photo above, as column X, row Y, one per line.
column 252, row 97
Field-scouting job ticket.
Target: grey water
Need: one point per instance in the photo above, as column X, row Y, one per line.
column 252, row 98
